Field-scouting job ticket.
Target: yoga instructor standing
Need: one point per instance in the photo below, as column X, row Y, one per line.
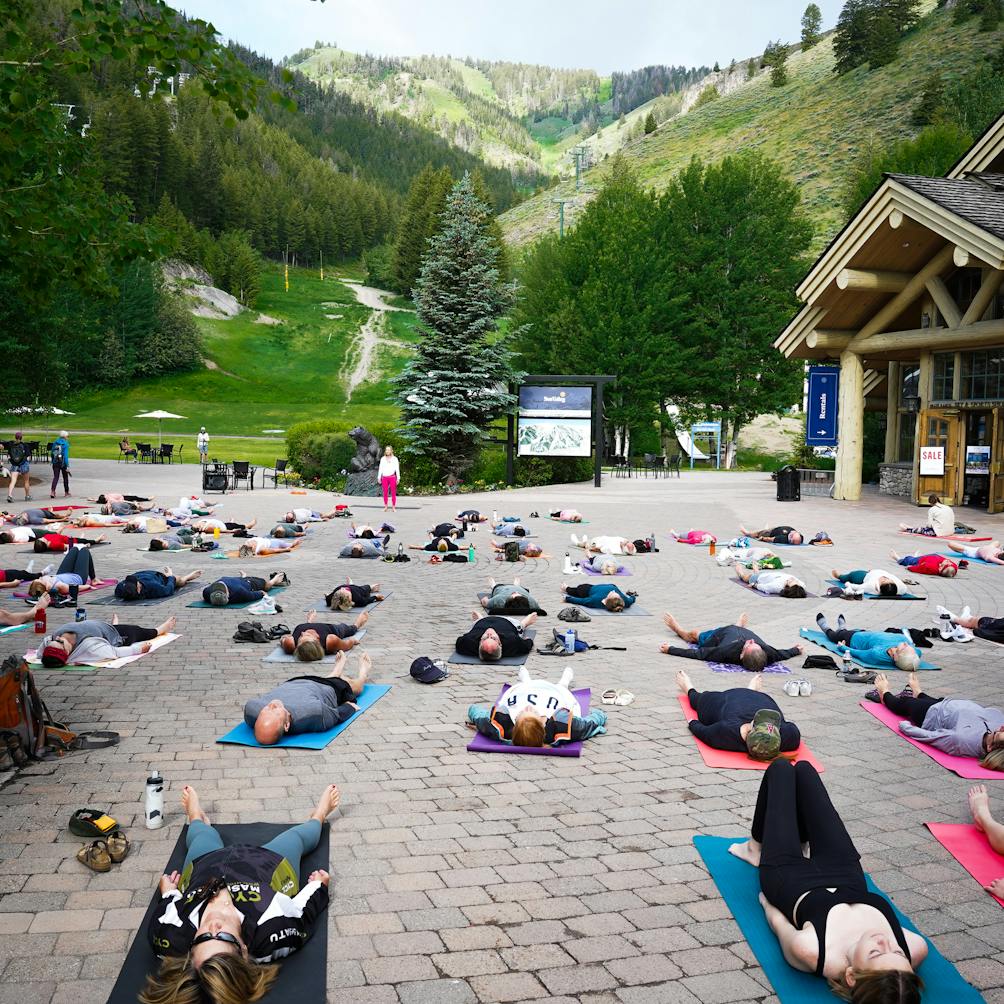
column 390, row 474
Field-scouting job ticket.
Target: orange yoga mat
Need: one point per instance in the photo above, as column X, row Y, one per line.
column 740, row 761
column 970, row 847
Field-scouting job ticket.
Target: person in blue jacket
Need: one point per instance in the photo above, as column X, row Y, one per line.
column 150, row 584
column 596, row 595
column 873, row 648
column 59, row 454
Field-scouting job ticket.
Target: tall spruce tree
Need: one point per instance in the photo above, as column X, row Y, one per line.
column 457, row 383
column 775, row 56
column 419, row 221
column 812, row 22
column 850, row 41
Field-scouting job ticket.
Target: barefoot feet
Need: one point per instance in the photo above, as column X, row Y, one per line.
column 327, row 803
column 748, row 850
column 192, row 806
column 979, row 805
column 683, row 681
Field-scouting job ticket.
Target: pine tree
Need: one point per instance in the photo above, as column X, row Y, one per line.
column 931, row 101
column 883, row 40
column 990, row 16
column 650, row 124
column 850, row 40
column 751, row 69
column 812, row 21
column 776, row 57
column 458, row 381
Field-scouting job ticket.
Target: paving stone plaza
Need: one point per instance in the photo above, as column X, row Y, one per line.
column 460, row 877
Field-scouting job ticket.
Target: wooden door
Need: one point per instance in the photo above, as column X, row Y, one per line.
column 941, row 428
column 996, row 488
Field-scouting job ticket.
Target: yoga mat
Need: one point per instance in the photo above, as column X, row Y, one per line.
column 203, row 605
column 589, row 570
column 457, row 659
column 14, row 627
column 567, row 522
column 366, row 505
column 964, row 557
column 277, row 654
column 322, row 604
column 37, row 554
column 694, row 543
column 65, row 508
column 967, row 767
column 770, row 596
column 513, row 536
column 30, row 657
column 878, row 596
column 632, row 611
column 734, row 667
column 302, row 975
column 483, row 744
column 243, row 734
column 738, row 884
column 964, row 538
column 362, row 557
column 102, row 584
column 114, row 601
column 740, row 761
column 820, row 639
column 971, row 848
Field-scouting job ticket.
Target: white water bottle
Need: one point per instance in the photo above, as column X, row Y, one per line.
column 570, row 640
column 154, row 801
column 568, row 569
column 495, row 517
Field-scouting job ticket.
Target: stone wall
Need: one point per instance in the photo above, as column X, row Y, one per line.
column 896, row 479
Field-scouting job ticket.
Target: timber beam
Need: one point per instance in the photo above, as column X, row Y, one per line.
column 870, row 280
column 823, row 339
column 987, row 291
column 944, row 301
column 920, row 339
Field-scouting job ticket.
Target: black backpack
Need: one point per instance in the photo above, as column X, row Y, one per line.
column 255, row 631
column 56, row 454
column 18, row 453
column 510, row 550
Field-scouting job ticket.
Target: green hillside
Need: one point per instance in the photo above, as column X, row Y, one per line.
column 816, row 126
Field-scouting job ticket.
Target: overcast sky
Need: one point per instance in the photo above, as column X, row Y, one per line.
column 603, row 35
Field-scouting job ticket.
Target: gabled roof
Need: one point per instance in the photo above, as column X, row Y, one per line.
column 978, row 198
column 988, row 147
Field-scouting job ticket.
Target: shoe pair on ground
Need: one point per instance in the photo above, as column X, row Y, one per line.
column 797, row 688
column 949, row 629
column 112, row 845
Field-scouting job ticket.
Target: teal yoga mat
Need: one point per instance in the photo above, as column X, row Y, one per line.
column 878, row 596
column 243, row 735
column 203, row 605
column 972, row 561
column 737, row 882
column 16, row 627
column 820, row 639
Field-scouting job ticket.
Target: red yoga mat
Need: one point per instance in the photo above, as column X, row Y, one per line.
column 970, row 847
column 740, row 761
column 964, row 766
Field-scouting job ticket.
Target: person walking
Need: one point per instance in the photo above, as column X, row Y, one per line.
column 20, row 464
column 202, row 444
column 59, row 453
column 390, row 474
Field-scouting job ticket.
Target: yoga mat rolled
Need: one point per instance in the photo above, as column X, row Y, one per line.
column 820, row 639
column 737, row 882
column 203, row 605
column 483, row 744
column 243, row 734
column 15, row 627
column 966, row 767
column 277, row 654
column 459, row 659
column 971, row 848
column 878, row 596
column 302, row 975
column 740, row 761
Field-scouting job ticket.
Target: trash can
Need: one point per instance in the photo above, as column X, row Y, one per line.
column 788, row 487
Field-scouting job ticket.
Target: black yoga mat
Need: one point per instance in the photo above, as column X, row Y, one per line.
column 302, row 975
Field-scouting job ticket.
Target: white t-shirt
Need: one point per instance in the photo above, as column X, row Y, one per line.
column 21, row 534
column 210, row 524
column 390, row 467
column 871, row 583
column 941, row 519
column 100, row 519
column 202, row 440
column 771, row 583
column 304, row 516
column 544, row 697
column 607, row 545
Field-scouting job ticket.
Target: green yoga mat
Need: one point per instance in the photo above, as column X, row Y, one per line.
column 737, row 882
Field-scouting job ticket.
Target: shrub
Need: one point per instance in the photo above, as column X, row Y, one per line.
column 379, row 262
column 709, row 94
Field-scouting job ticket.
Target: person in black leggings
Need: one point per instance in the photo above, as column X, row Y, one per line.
column 11, row 577
column 76, row 569
column 866, row 951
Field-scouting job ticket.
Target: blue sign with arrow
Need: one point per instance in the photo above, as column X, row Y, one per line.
column 821, row 414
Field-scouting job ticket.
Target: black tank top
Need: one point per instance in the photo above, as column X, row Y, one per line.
column 815, row 909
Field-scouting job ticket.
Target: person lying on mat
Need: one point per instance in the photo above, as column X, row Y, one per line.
column 604, row 564
column 446, row 530
column 143, row 523
column 566, row 515
column 440, row 544
column 979, row 806
column 314, row 639
column 209, row 524
column 11, row 618
column 76, row 570
column 180, row 540
column 233, row 589
column 307, row 703
column 990, row 553
column 492, row 638
column 605, row 544
column 106, row 497
column 741, row 719
column 750, row 557
column 514, row 599
column 771, row 583
column 952, row 725
column 509, row 530
column 987, row 628
column 284, row 530
column 732, row 644
column 34, row 517
column 221, row 918
column 363, row 531
column 874, row 648
column 596, row 595
column 94, row 519
column 350, row 595
column 19, row 534
column 527, row 548
column 819, row 907
column 775, row 535
column 940, row 520
column 89, row 642
column 928, row 564
column 693, row 537
column 60, row 542
column 471, row 516
column 877, row 581
column 308, row 515
column 122, row 507
column 263, row 546
column 149, row 584
column 362, row 549
column 537, row 713
column 10, row 578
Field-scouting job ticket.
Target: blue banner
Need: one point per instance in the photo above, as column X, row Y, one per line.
column 821, row 411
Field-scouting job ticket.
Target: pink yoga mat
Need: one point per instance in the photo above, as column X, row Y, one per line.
column 970, row 847
column 964, row 766
column 965, row 538
column 740, row 761
column 102, row 583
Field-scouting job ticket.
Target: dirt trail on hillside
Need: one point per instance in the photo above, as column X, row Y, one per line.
column 361, row 357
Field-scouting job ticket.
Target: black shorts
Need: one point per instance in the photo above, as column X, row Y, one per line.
column 342, row 688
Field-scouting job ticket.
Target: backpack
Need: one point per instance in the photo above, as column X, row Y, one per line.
column 22, row 710
column 510, row 550
column 56, row 454
column 18, row 453
column 255, row 631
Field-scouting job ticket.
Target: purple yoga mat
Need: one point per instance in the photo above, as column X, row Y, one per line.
column 732, row 667
column 482, row 744
column 589, row 570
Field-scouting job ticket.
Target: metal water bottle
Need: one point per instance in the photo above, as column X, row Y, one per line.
column 154, row 801
column 495, row 517
column 470, row 554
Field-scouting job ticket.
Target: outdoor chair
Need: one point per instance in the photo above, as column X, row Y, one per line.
column 243, row 471
column 124, row 455
column 145, row 452
column 35, row 454
column 167, row 453
column 674, row 464
column 659, row 466
column 279, row 471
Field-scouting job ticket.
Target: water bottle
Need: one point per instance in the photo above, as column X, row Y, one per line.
column 470, row 554
column 848, row 668
column 80, row 614
column 154, row 801
column 711, row 547
column 216, row 534
column 651, row 540
column 40, row 620
column 400, row 550
column 495, row 517
column 570, row 640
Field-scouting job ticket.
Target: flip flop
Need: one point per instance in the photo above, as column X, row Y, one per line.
column 609, row 697
column 95, row 856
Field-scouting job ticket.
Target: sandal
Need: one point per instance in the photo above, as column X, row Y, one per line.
column 95, row 856
column 624, row 698
column 118, row 846
column 609, row 697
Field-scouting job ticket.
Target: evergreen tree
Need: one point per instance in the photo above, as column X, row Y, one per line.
column 419, row 221
column 930, row 105
column 775, row 56
column 458, row 381
column 717, row 68
column 990, row 15
column 883, row 40
column 750, row 69
column 812, row 22
column 850, row 40
column 650, row 124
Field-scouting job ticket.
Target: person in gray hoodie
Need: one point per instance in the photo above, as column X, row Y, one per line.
column 87, row 643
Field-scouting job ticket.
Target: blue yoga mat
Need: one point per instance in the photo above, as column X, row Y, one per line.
column 878, row 596
column 740, row 888
column 243, row 735
column 820, row 639
column 972, row 561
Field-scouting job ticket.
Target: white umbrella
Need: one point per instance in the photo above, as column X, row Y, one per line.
column 44, row 409
column 160, row 416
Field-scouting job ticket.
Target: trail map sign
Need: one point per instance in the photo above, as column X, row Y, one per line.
column 555, row 421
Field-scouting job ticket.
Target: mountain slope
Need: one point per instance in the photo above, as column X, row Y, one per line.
column 816, row 126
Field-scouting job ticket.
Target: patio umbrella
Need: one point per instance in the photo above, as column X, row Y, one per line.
column 160, row 416
column 44, row 409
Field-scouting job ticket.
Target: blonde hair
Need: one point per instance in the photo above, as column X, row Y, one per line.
column 880, row 986
column 341, row 599
column 613, row 602
column 309, row 650
column 528, row 731
column 994, row 759
column 36, row 588
column 222, row 979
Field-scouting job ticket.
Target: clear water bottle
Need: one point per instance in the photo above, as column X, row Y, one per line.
column 570, row 640
column 154, row 801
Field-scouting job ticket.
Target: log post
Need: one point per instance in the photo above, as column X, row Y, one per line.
column 892, row 414
column 851, row 428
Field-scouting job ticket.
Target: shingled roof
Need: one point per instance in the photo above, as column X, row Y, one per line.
column 977, row 198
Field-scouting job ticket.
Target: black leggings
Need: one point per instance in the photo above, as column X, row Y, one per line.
column 19, row 575
column 914, row 708
column 80, row 561
column 581, row 591
column 128, row 498
column 132, row 634
column 235, row 526
column 843, row 636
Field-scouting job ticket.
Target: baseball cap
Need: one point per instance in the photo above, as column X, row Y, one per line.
column 54, row 655
column 764, row 739
column 425, row 670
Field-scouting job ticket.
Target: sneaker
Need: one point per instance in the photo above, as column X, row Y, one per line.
column 944, row 614
column 961, row 634
column 791, row 688
column 804, row 688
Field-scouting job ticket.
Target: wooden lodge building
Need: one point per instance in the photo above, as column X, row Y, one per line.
column 908, row 299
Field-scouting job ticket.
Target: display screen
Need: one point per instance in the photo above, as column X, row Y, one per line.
column 555, row 421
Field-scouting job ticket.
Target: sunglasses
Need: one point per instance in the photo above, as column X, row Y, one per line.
column 226, row 936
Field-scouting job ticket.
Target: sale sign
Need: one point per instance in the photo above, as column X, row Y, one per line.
column 932, row 460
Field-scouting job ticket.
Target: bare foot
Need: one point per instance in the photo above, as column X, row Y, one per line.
column 327, row 803
column 339, row 665
column 903, row 526
column 683, row 681
column 834, row 574
column 115, row 619
column 914, row 682
column 192, row 806
column 365, row 665
column 979, row 805
column 756, row 683
column 362, row 619
column 894, row 556
column 475, row 616
column 882, row 684
column 530, row 619
column 168, row 626
column 744, row 619
column 748, row 851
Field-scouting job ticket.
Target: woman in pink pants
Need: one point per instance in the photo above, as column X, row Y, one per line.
column 390, row 473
